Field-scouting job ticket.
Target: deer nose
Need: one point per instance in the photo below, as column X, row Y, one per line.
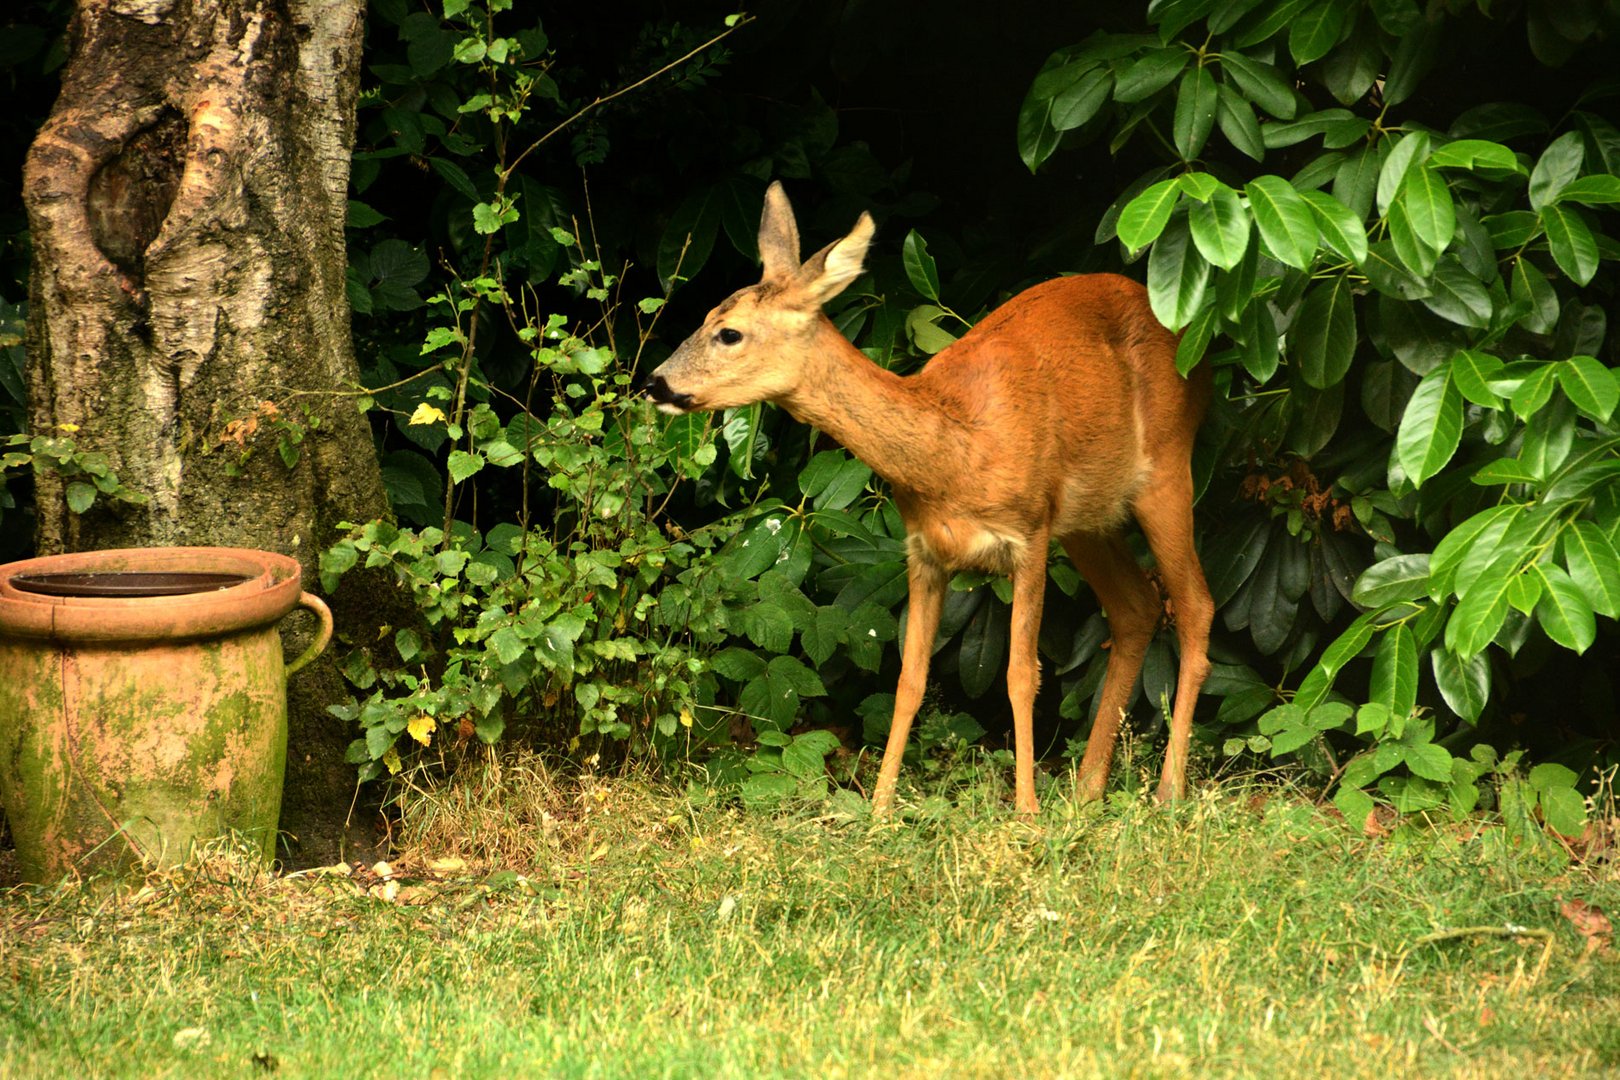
column 657, row 388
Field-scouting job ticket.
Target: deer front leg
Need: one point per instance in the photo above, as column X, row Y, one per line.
column 927, row 583
column 1024, row 668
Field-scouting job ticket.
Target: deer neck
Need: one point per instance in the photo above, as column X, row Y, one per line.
column 888, row 421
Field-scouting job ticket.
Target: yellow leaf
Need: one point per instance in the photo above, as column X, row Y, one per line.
column 70, row 429
column 391, row 760
column 427, row 414
column 686, row 716
column 421, row 728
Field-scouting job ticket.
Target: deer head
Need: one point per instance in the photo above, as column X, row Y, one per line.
column 758, row 344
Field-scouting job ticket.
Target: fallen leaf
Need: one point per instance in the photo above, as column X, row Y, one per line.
column 1380, row 822
column 1590, row 922
column 448, row 865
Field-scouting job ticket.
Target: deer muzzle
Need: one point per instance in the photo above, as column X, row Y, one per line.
column 667, row 400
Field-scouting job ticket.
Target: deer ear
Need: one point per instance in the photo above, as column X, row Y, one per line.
column 778, row 236
column 832, row 268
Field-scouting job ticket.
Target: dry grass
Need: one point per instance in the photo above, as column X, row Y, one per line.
column 598, row 927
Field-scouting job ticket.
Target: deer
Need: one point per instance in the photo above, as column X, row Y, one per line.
column 1058, row 416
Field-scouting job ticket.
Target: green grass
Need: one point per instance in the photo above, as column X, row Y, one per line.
column 1241, row 934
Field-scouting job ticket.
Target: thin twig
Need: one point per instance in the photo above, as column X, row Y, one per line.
column 542, row 140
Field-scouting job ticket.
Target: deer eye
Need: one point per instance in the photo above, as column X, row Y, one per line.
column 728, row 336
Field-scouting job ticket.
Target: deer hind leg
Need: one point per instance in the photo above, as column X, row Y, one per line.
column 1166, row 517
column 1024, row 667
column 1132, row 606
column 927, row 583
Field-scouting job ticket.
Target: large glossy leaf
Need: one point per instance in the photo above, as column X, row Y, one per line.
column 1145, row 216
column 1195, row 111
column 1401, row 577
column 1152, row 73
column 1472, row 371
column 1395, row 672
column 1220, row 227
column 1571, row 242
column 1459, row 297
column 1548, row 438
column 1345, row 648
column 1416, row 256
column 1475, row 154
column 1356, row 181
column 879, row 583
column 1429, row 207
column 1558, row 165
column 1317, row 171
column 1414, row 57
column 920, row 268
column 1419, row 340
column 1341, row 229
column 1177, row 276
column 1270, row 19
column 1593, row 388
column 1494, row 543
column 1316, row 30
column 1313, row 418
column 1234, row 290
column 1483, row 529
column 1512, row 229
column 1260, row 83
column 1350, row 70
column 1593, row 566
column 1411, row 150
column 1479, row 616
column 1500, row 121
column 1232, row 556
column 1387, row 273
column 1563, row 611
column 1338, row 128
column 1078, row 103
column 1530, row 286
column 1238, row 123
column 1464, row 684
column 845, row 485
column 1260, row 353
column 1324, row 333
column 984, row 649
column 689, row 237
column 1431, row 427
column 1059, row 74
column 1195, row 339
column 1037, row 138
column 1286, row 225
column 1600, row 189
column 1271, row 613
column 1534, row 389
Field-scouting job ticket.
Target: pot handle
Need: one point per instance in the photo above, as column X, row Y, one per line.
column 318, row 606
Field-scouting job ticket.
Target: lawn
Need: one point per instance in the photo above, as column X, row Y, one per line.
column 617, row 927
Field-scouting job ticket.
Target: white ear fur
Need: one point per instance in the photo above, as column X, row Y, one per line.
column 827, row 272
column 778, row 236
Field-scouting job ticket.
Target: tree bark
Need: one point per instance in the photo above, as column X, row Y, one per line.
column 187, row 199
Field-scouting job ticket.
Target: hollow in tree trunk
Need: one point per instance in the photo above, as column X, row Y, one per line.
column 187, row 314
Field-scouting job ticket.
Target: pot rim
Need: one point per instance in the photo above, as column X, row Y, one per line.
column 269, row 592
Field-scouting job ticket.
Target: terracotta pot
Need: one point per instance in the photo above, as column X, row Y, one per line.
column 143, row 702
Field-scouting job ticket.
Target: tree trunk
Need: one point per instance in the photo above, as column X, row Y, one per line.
column 187, row 311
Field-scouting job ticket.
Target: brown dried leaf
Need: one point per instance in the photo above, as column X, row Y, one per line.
column 1590, row 922
column 1380, row 822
